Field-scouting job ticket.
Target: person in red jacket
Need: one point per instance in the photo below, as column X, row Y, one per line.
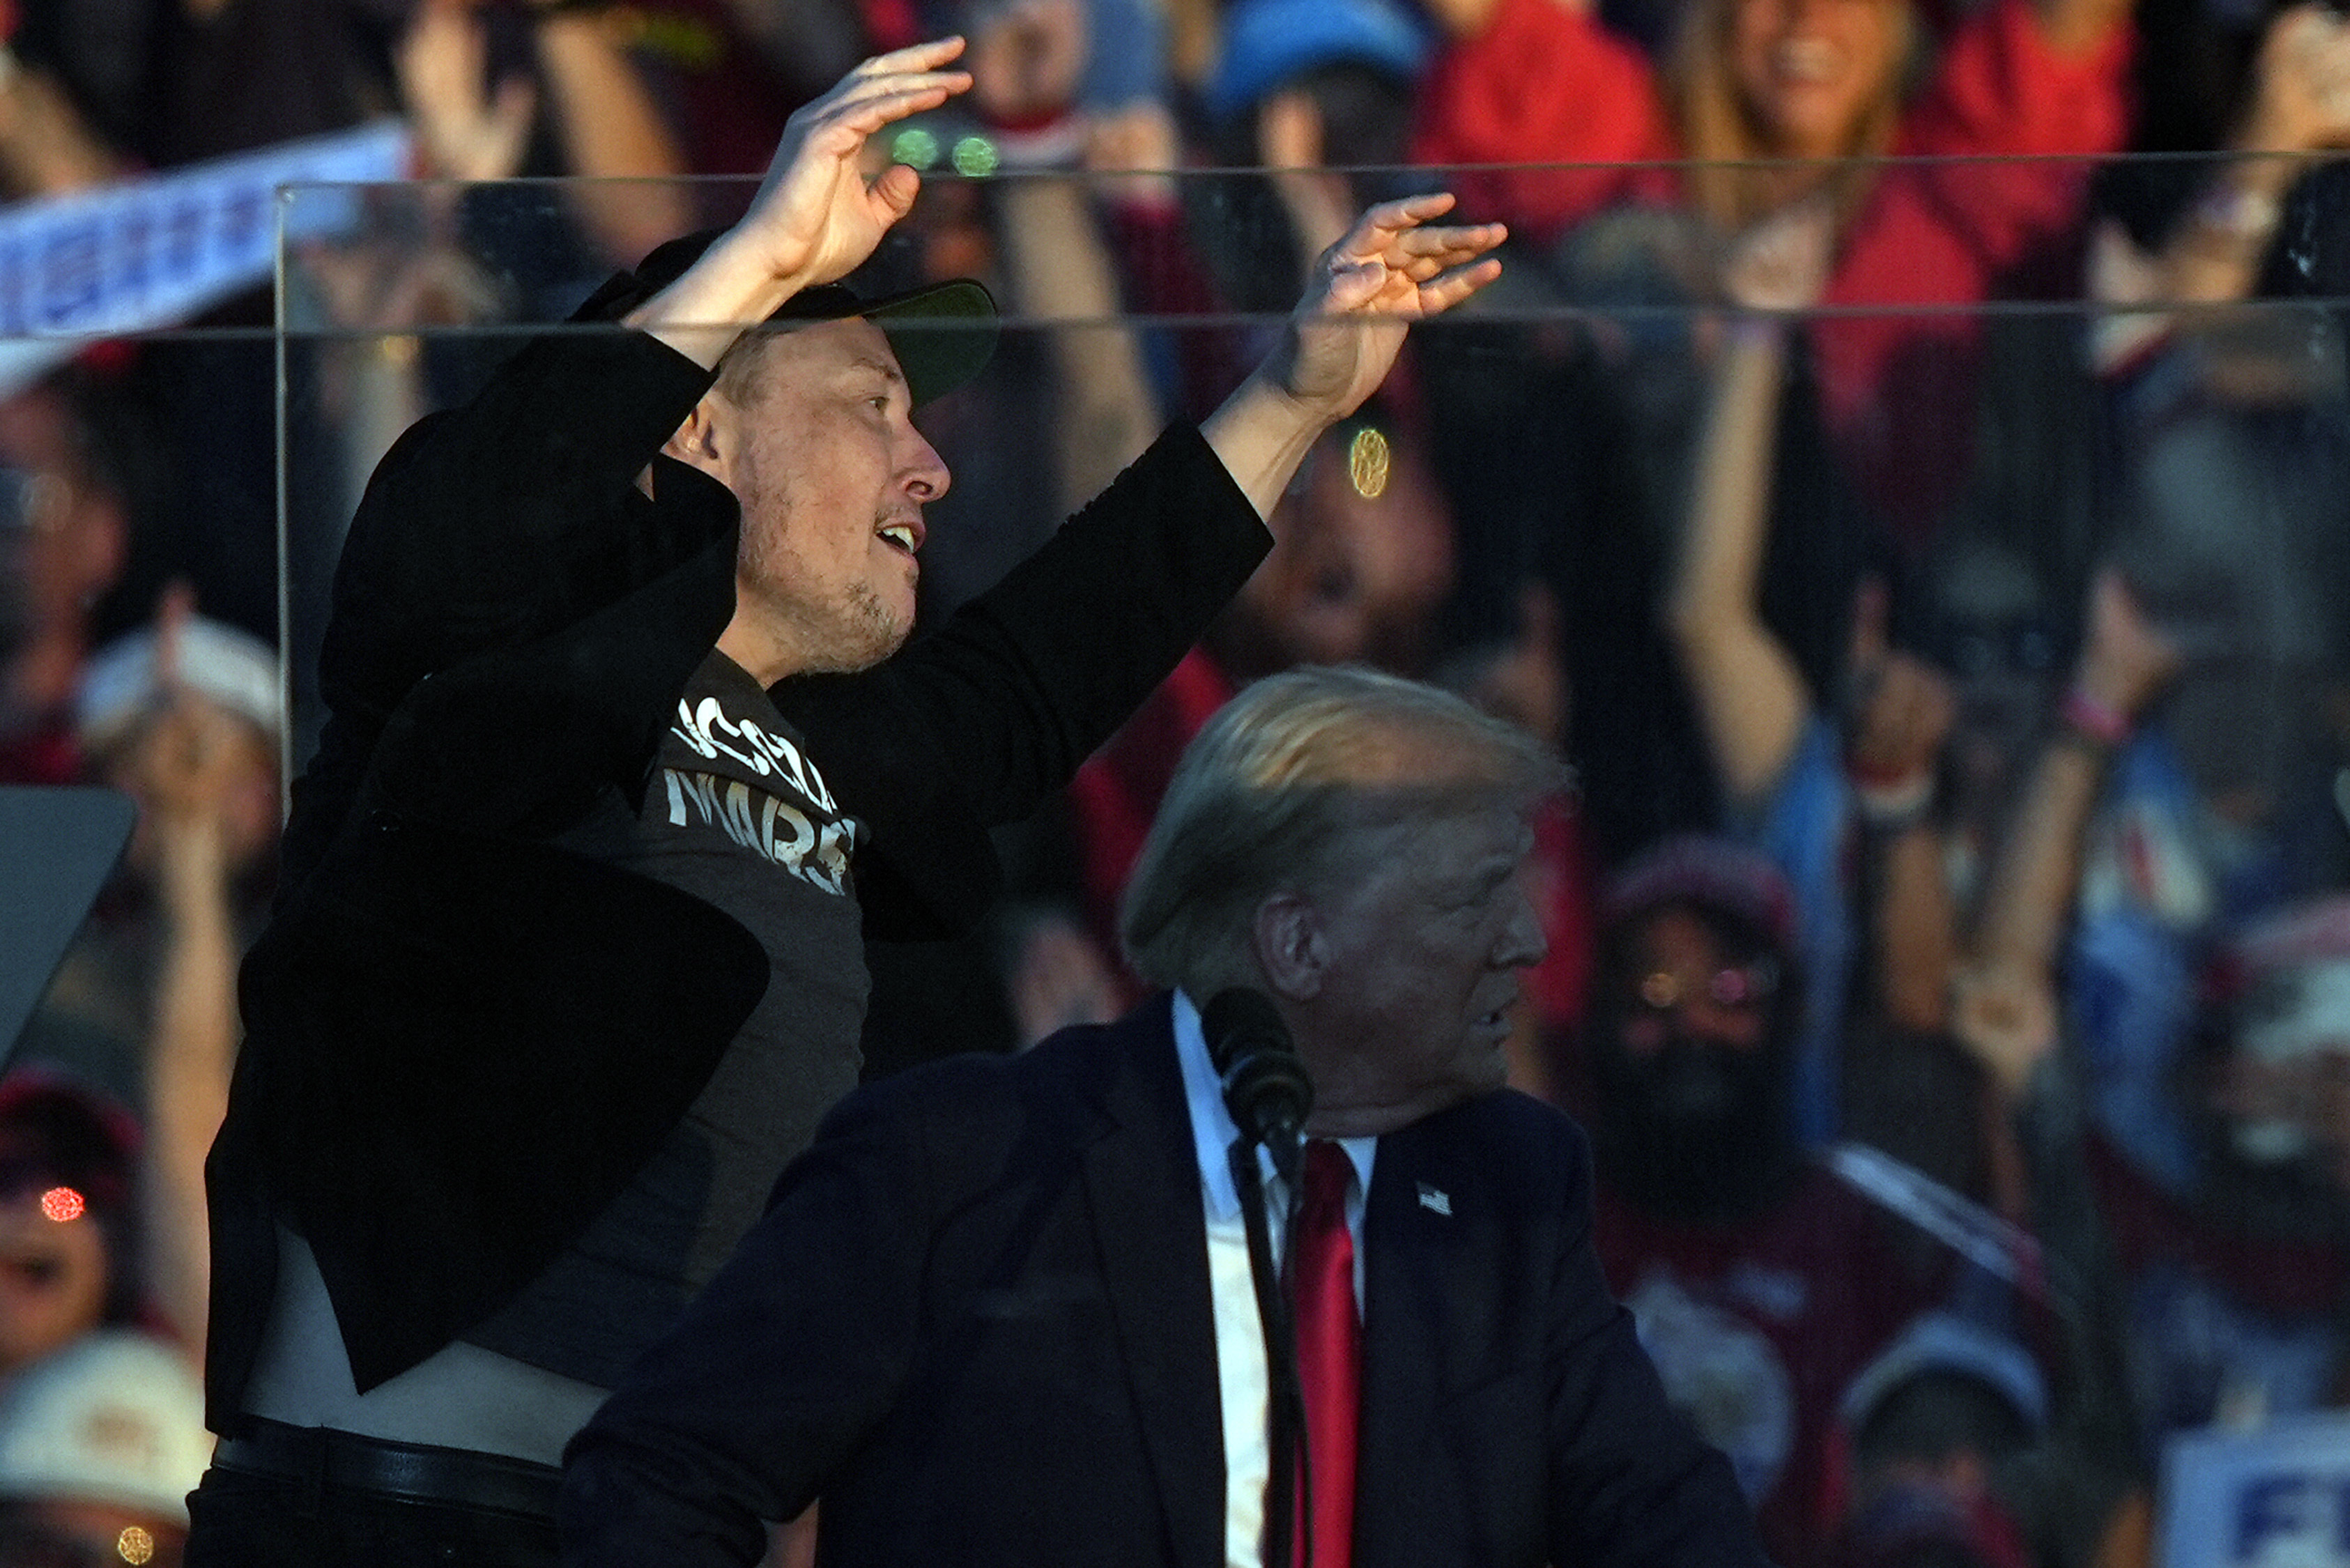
column 1540, row 82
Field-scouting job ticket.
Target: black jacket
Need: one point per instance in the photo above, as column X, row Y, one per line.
column 462, row 1041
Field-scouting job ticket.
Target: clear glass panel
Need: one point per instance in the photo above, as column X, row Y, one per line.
column 1813, row 566
column 1952, row 425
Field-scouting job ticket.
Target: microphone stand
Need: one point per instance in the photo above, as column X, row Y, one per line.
column 1269, row 1093
column 1289, row 1485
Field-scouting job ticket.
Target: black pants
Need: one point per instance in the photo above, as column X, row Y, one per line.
column 243, row 1520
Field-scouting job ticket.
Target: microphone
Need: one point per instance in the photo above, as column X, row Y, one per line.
column 1266, row 1087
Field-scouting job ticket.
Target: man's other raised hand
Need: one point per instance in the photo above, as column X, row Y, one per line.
column 1393, row 267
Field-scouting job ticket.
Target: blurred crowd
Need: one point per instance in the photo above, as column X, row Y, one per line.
column 1901, row 470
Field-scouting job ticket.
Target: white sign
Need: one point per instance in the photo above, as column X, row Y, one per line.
column 2274, row 1497
column 143, row 253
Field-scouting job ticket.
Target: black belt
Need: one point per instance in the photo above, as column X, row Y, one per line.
column 323, row 1459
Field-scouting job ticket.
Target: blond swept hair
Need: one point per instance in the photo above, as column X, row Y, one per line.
column 1284, row 784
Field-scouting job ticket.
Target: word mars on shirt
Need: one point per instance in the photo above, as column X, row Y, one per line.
column 815, row 852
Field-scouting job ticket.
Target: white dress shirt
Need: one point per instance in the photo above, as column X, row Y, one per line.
column 1240, row 1335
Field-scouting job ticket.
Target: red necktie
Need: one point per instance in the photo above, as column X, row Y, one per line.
column 1330, row 1349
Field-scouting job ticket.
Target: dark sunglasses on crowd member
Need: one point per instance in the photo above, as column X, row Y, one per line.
column 1743, row 985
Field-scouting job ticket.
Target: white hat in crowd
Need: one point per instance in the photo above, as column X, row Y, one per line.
column 215, row 661
column 1940, row 1341
column 116, row 1418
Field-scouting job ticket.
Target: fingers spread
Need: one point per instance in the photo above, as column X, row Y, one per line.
column 1422, row 254
column 1410, row 212
column 1448, row 290
column 890, row 87
column 884, row 98
column 922, row 57
column 1380, row 226
column 1416, row 287
column 1427, row 252
column 1452, row 237
column 1393, row 224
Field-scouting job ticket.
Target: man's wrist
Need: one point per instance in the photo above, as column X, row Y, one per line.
column 776, row 265
column 1276, row 376
column 730, row 286
column 1261, row 433
column 1891, row 801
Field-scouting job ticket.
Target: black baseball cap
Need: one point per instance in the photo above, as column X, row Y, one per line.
column 943, row 333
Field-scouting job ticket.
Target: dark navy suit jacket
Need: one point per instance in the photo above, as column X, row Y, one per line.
column 976, row 1322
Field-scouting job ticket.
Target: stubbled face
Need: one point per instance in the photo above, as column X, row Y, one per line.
column 832, row 477
column 1425, row 936
column 1808, row 71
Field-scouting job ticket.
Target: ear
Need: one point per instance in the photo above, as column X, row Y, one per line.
column 1286, row 933
column 705, row 440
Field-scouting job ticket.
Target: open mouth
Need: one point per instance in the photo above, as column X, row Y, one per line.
column 903, row 536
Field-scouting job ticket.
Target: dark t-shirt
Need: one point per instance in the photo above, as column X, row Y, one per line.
column 737, row 814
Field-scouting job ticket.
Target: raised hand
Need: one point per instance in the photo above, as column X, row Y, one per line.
column 2004, row 1014
column 817, row 214
column 2128, row 657
column 1901, row 708
column 1390, row 270
column 467, row 133
column 1131, row 153
column 2301, row 92
column 201, row 774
